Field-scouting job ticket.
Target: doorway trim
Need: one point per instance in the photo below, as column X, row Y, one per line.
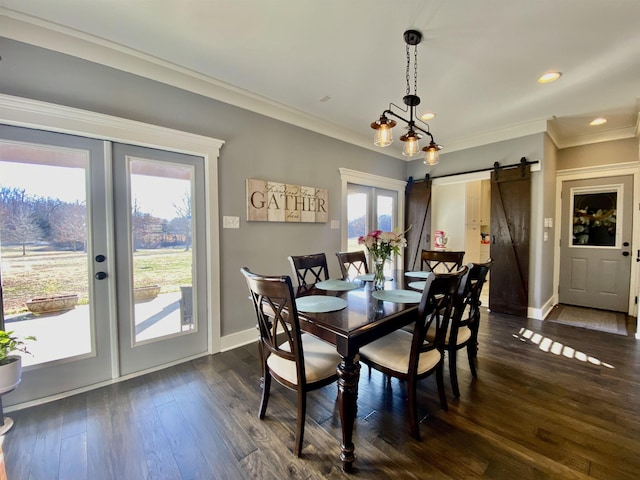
column 38, row 115
column 601, row 171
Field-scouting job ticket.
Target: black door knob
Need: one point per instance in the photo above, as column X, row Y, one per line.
column 101, row 275
column 625, row 254
column 100, row 258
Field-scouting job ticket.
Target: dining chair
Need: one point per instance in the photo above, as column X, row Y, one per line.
column 352, row 263
column 465, row 320
column 410, row 356
column 296, row 360
column 309, row 269
column 439, row 261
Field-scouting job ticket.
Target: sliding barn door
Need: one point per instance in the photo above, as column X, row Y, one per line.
column 510, row 223
column 418, row 220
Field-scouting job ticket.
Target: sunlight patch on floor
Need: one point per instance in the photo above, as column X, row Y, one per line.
column 549, row 345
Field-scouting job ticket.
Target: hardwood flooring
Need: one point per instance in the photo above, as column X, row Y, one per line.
column 551, row 402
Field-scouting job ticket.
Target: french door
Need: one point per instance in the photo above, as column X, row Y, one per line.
column 85, row 227
column 369, row 208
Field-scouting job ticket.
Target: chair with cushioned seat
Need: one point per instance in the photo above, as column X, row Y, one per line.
column 298, row 361
column 309, row 269
column 465, row 320
column 410, row 356
column 352, row 263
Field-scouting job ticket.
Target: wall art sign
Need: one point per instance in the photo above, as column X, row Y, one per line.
column 281, row 202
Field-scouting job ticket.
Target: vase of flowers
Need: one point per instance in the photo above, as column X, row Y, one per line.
column 381, row 245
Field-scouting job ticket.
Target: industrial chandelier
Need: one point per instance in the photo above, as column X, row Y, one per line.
column 414, row 133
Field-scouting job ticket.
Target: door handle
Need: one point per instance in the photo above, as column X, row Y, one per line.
column 625, row 254
column 101, row 275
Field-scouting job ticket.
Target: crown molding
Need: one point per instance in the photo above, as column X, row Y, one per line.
column 64, row 40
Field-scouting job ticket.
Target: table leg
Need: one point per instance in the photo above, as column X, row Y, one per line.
column 348, row 376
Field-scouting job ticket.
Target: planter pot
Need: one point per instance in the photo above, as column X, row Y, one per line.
column 56, row 303
column 10, row 374
column 146, row 293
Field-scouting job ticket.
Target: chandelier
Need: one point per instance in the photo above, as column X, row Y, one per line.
column 414, row 133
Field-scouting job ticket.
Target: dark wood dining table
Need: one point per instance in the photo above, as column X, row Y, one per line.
column 364, row 320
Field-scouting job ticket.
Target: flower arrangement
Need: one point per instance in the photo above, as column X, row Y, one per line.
column 380, row 246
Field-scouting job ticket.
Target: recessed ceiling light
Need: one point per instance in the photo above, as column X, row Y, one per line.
column 598, row 121
column 428, row 116
column 549, row 77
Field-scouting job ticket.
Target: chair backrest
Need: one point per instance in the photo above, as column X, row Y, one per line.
column 278, row 321
column 478, row 276
column 309, row 269
column 434, row 312
column 438, row 261
column 352, row 263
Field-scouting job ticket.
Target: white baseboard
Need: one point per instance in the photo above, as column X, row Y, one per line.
column 238, row 339
column 541, row 313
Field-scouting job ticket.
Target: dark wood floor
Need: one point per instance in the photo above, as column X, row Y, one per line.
column 551, row 401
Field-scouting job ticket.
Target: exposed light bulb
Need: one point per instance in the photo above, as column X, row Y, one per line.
column 411, row 147
column 383, row 136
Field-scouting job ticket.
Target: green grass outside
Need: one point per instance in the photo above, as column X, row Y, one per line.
column 43, row 273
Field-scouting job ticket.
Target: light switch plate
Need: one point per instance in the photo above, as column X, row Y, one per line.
column 230, row 222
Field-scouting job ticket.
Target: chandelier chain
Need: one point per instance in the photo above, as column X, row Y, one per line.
column 408, row 65
column 415, row 70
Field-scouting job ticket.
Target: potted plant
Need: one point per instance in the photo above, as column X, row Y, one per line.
column 11, row 365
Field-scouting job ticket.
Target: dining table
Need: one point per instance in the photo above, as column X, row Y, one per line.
column 352, row 315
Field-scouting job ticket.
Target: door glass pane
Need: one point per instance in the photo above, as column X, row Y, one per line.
column 384, row 213
column 356, row 220
column 43, row 248
column 161, row 235
column 594, row 219
column 384, row 221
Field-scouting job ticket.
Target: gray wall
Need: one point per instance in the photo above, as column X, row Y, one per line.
column 604, row 153
column 255, row 147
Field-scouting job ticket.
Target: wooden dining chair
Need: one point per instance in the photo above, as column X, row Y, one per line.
column 465, row 321
column 410, row 356
column 309, row 269
column 298, row 361
column 352, row 263
column 440, row 261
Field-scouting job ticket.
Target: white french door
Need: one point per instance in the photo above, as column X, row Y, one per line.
column 81, row 225
column 159, row 212
column 369, row 208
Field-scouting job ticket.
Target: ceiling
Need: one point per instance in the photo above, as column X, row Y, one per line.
column 334, row 65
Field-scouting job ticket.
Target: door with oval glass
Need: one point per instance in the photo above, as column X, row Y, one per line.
column 595, row 251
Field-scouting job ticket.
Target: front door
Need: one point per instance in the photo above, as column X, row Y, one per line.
column 595, row 251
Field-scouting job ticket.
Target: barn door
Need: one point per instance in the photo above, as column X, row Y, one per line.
column 418, row 220
column 510, row 220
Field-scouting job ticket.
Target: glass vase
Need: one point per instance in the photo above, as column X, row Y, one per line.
column 378, row 273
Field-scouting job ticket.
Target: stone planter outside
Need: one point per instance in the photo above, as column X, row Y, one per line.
column 54, row 303
column 146, row 293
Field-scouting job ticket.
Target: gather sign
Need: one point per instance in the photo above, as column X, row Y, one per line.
column 281, row 202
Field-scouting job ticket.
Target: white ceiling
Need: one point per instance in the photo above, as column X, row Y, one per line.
column 477, row 64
